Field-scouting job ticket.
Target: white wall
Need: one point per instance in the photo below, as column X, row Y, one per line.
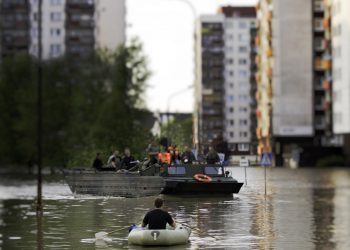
column 53, row 28
column 237, row 86
column 341, row 66
column 292, row 74
column 110, row 23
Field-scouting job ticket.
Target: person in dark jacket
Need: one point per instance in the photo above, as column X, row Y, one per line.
column 128, row 160
column 158, row 218
column 212, row 156
column 187, row 157
column 97, row 164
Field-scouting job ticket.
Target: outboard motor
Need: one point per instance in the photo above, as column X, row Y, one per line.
column 227, row 173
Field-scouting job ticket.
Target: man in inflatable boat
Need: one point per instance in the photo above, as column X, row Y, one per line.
column 157, row 218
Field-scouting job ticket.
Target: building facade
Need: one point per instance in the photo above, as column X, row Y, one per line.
column 237, row 100
column 210, row 68
column 294, row 80
column 14, row 27
column 223, row 72
column 72, row 27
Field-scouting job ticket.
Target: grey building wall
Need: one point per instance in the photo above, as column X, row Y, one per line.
column 292, row 79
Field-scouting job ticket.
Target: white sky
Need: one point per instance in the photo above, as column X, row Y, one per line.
column 165, row 28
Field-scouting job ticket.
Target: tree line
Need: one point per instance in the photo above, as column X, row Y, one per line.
column 91, row 105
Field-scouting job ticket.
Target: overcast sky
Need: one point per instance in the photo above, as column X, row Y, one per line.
column 166, row 29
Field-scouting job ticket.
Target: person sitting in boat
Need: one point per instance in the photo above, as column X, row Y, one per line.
column 212, row 156
column 187, row 157
column 128, row 160
column 158, row 218
column 97, row 164
column 153, row 151
column 114, row 160
column 174, row 154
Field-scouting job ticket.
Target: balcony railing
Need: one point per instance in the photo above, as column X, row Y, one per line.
column 318, row 6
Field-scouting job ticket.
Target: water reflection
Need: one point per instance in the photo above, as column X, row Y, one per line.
column 304, row 209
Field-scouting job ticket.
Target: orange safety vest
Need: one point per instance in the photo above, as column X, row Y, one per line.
column 164, row 157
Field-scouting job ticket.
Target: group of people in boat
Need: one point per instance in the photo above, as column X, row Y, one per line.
column 172, row 155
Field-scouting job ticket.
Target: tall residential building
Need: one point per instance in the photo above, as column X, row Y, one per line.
column 74, row 27
column 237, row 101
column 14, row 27
column 341, row 74
column 210, row 68
column 294, row 81
column 223, row 72
column 53, row 28
column 80, row 27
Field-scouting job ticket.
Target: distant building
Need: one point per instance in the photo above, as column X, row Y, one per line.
column 210, row 69
column 223, row 72
column 237, row 99
column 340, row 11
column 73, row 27
column 14, row 27
column 294, row 81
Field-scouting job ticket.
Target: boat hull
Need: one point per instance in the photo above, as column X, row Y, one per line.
column 163, row 237
column 113, row 184
column 193, row 187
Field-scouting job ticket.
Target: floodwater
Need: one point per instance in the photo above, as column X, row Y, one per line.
column 303, row 209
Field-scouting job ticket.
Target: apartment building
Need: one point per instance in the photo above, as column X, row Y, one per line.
column 237, row 99
column 73, row 27
column 210, row 68
column 223, row 72
column 14, row 27
column 294, row 79
column 340, row 10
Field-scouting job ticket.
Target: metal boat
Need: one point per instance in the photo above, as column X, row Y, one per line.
column 181, row 179
column 111, row 183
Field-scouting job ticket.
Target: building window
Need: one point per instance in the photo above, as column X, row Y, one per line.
column 231, row 85
column 242, row 61
column 243, row 147
column 231, row 73
column 230, row 61
column 56, row 2
column 242, row 49
column 55, row 16
column 55, row 49
column 242, row 73
column 242, row 25
column 243, row 134
column 232, row 122
column 243, row 122
column 35, row 16
column 231, row 110
column 232, row 134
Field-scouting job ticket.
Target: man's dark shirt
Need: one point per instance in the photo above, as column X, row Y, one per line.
column 189, row 156
column 157, row 219
column 97, row 164
column 126, row 162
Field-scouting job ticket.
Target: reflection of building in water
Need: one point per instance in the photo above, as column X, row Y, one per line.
column 263, row 223
column 341, row 207
column 323, row 211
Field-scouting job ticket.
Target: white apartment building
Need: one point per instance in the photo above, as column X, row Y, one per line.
column 341, row 62
column 53, row 28
column 237, row 80
column 109, row 25
column 223, row 71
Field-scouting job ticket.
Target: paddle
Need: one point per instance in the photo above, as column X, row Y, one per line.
column 101, row 235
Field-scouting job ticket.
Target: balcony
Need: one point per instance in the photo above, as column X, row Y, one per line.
column 320, row 44
column 323, row 64
column 318, row 6
column 318, row 25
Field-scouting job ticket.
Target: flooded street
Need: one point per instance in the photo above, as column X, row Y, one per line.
column 303, row 209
